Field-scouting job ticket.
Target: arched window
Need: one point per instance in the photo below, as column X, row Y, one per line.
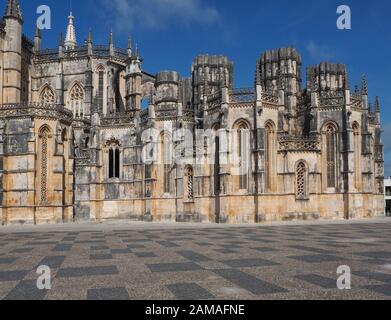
column 76, row 100
column 243, row 153
column 101, row 72
column 114, row 162
column 165, row 160
column 270, row 160
column 189, row 185
column 331, row 156
column 301, row 181
column 357, row 155
column 47, row 96
column 44, row 135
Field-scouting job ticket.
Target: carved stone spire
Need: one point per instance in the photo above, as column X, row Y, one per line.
column 70, row 39
column 12, row 10
column 364, row 88
column 377, row 105
column 129, row 47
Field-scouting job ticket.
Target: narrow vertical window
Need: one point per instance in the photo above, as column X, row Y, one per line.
column 166, row 161
column 269, row 154
column 331, row 156
column 43, row 139
column 357, row 154
column 190, row 180
column 301, row 181
column 117, row 163
column 243, row 155
column 111, row 163
column 100, row 90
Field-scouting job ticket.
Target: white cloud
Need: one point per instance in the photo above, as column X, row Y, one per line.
column 319, row 53
column 153, row 14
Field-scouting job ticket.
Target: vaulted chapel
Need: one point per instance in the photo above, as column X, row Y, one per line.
column 86, row 134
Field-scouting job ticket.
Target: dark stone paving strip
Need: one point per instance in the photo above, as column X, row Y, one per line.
column 375, row 254
column 40, row 243
column 189, row 291
column 311, row 249
column 193, row 256
column 13, row 275
column 87, row 272
column 101, row 256
column 52, row 261
column 317, row 258
column 264, row 249
column 168, row 244
column 145, row 254
column 97, row 248
column 173, row 267
column 249, row 263
column 108, row 294
column 320, row 281
column 378, row 276
column 121, row 251
column 26, row 290
column 62, row 247
column 7, row 260
column 248, row 282
column 22, row 250
column 382, row 289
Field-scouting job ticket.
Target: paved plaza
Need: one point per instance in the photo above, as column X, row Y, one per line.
column 194, row 261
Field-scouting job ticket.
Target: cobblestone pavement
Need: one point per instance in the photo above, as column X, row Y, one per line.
column 164, row 261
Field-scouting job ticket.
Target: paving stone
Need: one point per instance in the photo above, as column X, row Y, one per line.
column 7, row 260
column 249, row 282
column 63, row 247
column 189, row 291
column 13, row 275
column 52, row 261
column 87, row 272
column 22, row 250
column 26, row 290
column 103, row 256
column 249, row 263
column 318, row 280
column 193, row 256
column 317, row 258
column 145, row 254
column 108, row 294
column 173, row 267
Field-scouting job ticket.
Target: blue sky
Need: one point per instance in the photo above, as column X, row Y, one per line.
column 170, row 33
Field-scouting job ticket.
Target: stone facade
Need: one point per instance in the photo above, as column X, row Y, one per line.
column 86, row 134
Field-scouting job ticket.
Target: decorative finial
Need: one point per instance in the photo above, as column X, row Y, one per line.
column 377, row 105
column 61, row 41
column 111, row 37
column 364, row 88
column 90, row 36
column 37, row 32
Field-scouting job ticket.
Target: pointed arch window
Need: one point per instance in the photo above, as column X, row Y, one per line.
column 44, row 135
column 243, row 153
column 301, row 180
column 47, row 96
column 357, row 154
column 101, row 72
column 331, row 156
column 189, row 184
column 76, row 100
column 114, row 161
column 165, row 160
column 269, row 156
